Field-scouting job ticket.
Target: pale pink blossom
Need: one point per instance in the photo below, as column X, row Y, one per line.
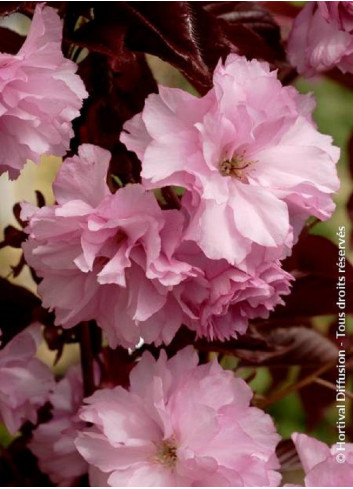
column 53, row 442
column 179, row 424
column 251, row 160
column 322, row 38
column 219, row 301
column 25, row 381
column 104, row 256
column 40, row 95
column 324, row 466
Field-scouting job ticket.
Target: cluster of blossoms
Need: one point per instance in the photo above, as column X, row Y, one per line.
column 25, row 382
column 121, row 260
column 253, row 167
column 178, row 424
column 40, row 95
column 53, row 442
column 322, row 38
column 250, row 161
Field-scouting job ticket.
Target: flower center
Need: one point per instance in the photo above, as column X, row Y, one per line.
column 235, row 167
column 167, row 453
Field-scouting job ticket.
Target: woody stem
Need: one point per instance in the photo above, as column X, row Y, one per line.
column 86, row 358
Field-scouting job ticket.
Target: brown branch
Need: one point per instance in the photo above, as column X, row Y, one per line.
column 86, row 358
column 330, row 385
column 277, row 396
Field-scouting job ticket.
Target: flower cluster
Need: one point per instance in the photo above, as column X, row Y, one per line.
column 40, row 95
column 179, row 424
column 322, row 38
column 120, row 259
column 104, row 256
column 53, row 442
column 25, row 381
column 257, row 168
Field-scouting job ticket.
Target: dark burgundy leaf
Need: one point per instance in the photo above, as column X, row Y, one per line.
column 252, row 348
column 40, row 199
column 250, row 27
column 305, row 346
column 320, row 395
column 276, row 346
column 17, row 269
column 169, row 30
column 317, row 398
column 192, row 36
column 7, row 8
column 350, row 207
column 18, row 309
column 115, row 96
column 289, row 346
column 314, row 292
column 13, row 237
column 106, row 39
column 10, row 41
column 283, row 9
column 17, row 213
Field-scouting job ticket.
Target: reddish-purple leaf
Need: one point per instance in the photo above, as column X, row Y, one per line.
column 350, row 207
column 287, row 346
column 314, row 264
column 305, row 346
column 7, row 8
column 250, row 27
column 18, row 309
column 13, row 237
column 115, row 96
column 40, row 198
column 191, row 36
column 284, row 9
column 317, row 398
column 10, row 41
column 17, row 213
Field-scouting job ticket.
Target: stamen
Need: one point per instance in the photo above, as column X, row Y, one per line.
column 235, row 166
column 167, row 453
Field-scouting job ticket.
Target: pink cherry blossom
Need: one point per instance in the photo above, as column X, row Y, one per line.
column 24, row 380
column 219, row 301
column 251, row 160
column 179, row 424
column 40, row 96
column 322, row 38
column 320, row 463
column 53, row 442
column 104, row 256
